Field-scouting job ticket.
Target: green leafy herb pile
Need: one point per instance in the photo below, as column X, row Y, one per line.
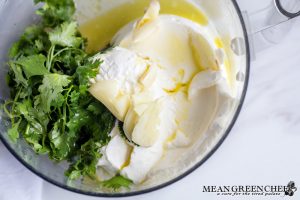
column 50, row 105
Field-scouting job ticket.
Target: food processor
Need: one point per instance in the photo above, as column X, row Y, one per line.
column 243, row 34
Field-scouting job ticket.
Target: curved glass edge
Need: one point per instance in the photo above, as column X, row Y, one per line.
column 212, row 151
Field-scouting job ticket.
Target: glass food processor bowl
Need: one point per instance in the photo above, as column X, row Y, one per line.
column 227, row 18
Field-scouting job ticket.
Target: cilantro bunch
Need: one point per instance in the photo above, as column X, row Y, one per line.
column 50, row 105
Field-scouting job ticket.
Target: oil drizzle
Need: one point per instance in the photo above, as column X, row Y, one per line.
column 100, row 30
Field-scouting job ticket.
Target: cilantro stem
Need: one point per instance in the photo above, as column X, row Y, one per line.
column 65, row 109
column 64, row 119
column 44, row 139
column 68, row 94
column 8, row 113
column 66, row 49
column 27, row 129
column 50, row 57
column 11, row 114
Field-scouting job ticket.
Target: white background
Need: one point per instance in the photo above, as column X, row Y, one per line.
column 263, row 147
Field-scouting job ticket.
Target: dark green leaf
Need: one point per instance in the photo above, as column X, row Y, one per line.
column 86, row 72
column 39, row 44
column 34, row 138
column 79, row 119
column 59, row 141
column 86, row 162
column 96, row 108
column 18, row 73
column 35, row 118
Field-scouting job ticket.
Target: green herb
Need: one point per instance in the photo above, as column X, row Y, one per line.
column 122, row 132
column 56, row 12
column 51, row 91
column 65, row 35
column 117, row 182
column 50, row 105
column 33, row 65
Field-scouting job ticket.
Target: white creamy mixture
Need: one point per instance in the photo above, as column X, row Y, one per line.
column 163, row 79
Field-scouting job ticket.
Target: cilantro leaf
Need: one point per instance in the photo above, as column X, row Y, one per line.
column 88, row 156
column 26, row 46
column 66, row 35
column 14, row 49
column 78, row 120
column 18, row 74
column 50, row 106
column 96, row 108
column 56, row 11
column 33, row 65
column 85, row 72
column 117, row 182
column 13, row 133
column 32, row 125
column 35, row 118
column 58, row 141
column 35, row 139
column 51, row 91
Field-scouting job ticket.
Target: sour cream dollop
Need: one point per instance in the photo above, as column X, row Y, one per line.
column 164, row 79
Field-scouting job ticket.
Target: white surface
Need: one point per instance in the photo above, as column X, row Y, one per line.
column 15, row 180
column 263, row 147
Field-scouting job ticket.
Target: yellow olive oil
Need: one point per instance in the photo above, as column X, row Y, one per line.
column 100, row 30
